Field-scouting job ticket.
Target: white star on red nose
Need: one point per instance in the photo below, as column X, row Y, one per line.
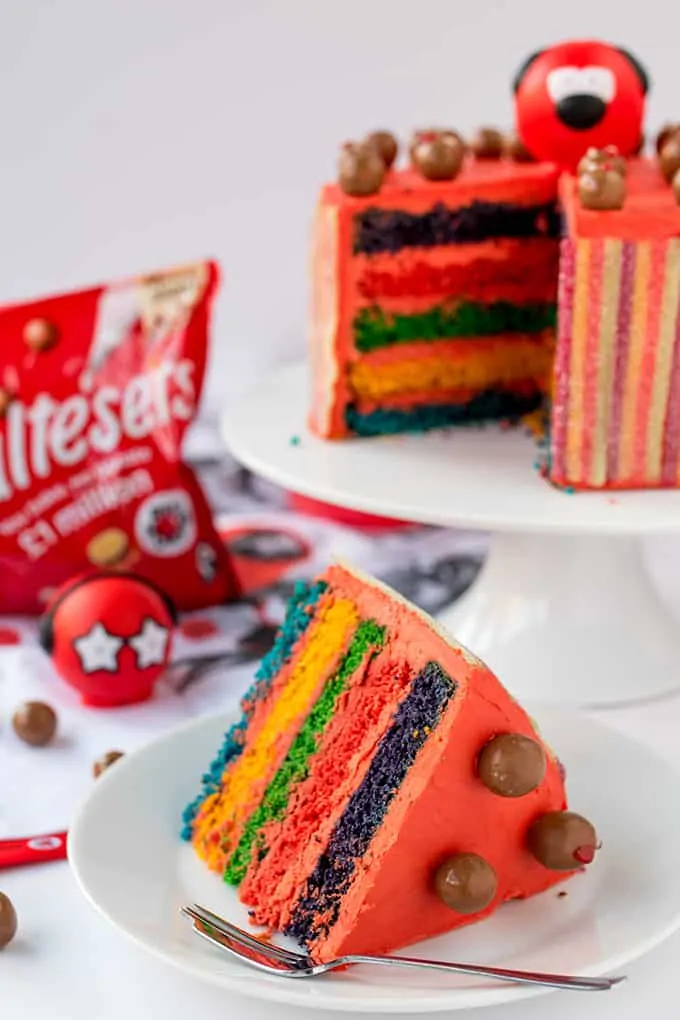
column 98, row 650
column 150, row 644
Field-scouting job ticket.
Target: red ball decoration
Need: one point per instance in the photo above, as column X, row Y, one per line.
column 580, row 95
column 109, row 635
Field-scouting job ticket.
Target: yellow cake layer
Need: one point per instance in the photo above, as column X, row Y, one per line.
column 243, row 779
column 454, row 365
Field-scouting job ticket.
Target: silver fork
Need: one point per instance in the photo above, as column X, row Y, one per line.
column 265, row 956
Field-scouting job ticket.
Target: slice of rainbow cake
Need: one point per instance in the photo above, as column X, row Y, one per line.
column 381, row 786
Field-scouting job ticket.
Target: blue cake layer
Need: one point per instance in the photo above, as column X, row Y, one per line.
column 492, row 405
column 298, row 617
column 417, row 715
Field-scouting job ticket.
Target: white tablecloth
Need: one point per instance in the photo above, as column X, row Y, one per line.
column 67, row 964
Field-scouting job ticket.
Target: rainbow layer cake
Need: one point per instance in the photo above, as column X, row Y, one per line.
column 381, row 786
column 434, row 302
column 507, row 288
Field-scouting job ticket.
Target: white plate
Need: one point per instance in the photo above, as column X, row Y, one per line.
column 128, row 859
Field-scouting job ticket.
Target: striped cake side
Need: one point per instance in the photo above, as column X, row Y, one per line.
column 614, row 418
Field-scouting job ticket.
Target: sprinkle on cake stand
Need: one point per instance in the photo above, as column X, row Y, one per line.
column 563, row 610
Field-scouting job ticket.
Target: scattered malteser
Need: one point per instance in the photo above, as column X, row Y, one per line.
column 40, row 334
column 386, row 146
column 35, row 723
column 666, row 132
column 511, row 765
column 515, row 149
column 562, row 840
column 669, row 157
column 108, row 548
column 601, row 188
column 465, row 883
column 8, row 920
column 487, row 143
column 6, row 399
column 438, row 157
column 361, row 169
column 105, row 762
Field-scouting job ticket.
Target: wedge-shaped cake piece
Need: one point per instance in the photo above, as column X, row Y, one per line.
column 382, row 786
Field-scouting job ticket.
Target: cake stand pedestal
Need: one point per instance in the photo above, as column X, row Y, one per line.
column 563, row 609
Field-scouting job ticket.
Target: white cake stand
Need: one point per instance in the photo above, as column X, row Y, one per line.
column 563, row 609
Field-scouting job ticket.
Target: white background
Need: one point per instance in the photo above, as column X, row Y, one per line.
column 138, row 133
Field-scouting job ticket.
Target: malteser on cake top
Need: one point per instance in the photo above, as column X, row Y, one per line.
column 487, row 280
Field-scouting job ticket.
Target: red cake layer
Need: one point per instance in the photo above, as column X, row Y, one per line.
column 500, row 270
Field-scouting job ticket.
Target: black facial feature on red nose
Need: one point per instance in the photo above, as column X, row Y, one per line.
column 581, row 111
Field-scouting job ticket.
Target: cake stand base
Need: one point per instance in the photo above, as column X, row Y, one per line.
column 563, row 610
column 567, row 619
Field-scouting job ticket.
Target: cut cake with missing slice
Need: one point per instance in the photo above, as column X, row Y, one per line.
column 382, row 786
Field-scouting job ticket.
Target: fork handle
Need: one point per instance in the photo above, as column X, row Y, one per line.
column 569, row 982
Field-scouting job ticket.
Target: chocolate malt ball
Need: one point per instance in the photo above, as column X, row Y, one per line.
column 423, row 134
column 8, row 920
column 386, row 146
column 35, row 723
column 511, row 765
column 601, row 189
column 608, row 158
column 675, row 184
column 487, row 143
column 105, row 762
column 562, row 840
column 438, row 157
column 40, row 335
column 666, row 132
column 465, row 883
column 361, row 170
column 669, row 157
column 515, row 149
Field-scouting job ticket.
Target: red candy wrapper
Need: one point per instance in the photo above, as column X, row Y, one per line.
column 97, row 389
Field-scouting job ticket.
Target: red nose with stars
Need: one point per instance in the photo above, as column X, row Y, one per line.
column 109, row 636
